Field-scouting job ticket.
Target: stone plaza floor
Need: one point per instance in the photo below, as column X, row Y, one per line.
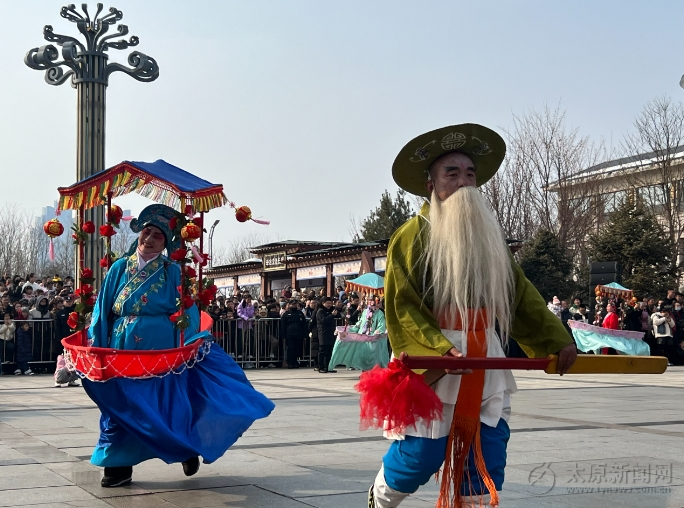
column 577, row 441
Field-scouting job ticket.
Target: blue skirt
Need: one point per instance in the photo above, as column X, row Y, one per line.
column 199, row 412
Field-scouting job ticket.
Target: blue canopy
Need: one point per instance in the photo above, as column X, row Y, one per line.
column 160, row 181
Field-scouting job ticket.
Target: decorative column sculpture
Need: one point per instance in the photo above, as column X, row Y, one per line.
column 86, row 64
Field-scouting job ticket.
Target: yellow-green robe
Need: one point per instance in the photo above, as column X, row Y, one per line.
column 411, row 326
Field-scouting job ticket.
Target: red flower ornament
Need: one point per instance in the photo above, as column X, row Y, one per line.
column 179, row 254
column 107, row 230
column 188, row 301
column 73, row 320
column 88, row 227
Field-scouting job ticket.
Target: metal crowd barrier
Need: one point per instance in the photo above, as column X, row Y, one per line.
column 254, row 344
column 44, row 345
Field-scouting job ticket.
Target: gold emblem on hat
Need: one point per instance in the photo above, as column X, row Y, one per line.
column 453, row 141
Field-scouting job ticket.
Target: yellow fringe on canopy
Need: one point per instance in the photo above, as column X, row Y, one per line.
column 125, row 182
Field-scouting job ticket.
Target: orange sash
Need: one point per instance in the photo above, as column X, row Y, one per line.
column 465, row 427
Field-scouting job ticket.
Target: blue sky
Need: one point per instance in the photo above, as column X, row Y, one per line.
column 300, row 107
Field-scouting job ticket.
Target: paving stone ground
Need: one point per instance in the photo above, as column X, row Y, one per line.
column 589, row 441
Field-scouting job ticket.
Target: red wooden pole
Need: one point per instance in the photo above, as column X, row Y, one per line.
column 453, row 363
column 201, row 248
column 109, row 238
column 81, row 247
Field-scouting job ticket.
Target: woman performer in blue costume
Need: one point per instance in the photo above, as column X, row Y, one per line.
column 179, row 417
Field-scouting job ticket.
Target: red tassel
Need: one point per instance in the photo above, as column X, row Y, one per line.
column 396, row 398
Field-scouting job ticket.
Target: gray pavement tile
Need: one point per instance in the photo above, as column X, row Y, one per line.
column 337, row 471
column 147, row 501
column 311, row 483
column 68, row 467
column 358, row 500
column 25, row 497
column 96, row 490
column 357, row 471
column 91, row 503
column 247, row 496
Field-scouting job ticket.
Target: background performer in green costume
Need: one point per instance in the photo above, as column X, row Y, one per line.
column 450, row 277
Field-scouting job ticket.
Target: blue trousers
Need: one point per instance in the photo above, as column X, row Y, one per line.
column 411, row 462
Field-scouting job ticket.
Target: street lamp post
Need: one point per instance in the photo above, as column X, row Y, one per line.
column 211, row 243
column 86, row 64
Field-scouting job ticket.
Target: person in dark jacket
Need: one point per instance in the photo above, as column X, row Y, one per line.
column 310, row 313
column 6, row 308
column 14, row 290
column 23, row 346
column 62, row 329
column 293, row 328
column 325, row 321
column 353, row 311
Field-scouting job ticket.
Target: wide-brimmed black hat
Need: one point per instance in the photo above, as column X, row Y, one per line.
column 484, row 147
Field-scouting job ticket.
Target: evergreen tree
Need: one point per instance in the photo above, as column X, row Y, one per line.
column 633, row 238
column 386, row 218
column 547, row 266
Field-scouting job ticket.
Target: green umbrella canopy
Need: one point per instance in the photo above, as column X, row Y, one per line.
column 369, row 280
column 615, row 285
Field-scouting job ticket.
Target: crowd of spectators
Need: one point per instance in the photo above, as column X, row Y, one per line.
column 661, row 320
column 33, row 319
column 295, row 323
column 290, row 330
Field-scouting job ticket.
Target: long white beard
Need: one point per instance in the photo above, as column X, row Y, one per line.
column 469, row 260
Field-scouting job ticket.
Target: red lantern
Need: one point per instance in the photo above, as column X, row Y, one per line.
column 115, row 215
column 191, row 232
column 243, row 213
column 53, row 228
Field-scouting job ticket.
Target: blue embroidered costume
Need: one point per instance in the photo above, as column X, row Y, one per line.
column 133, row 306
column 197, row 411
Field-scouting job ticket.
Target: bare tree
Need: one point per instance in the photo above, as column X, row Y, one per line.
column 655, row 148
column 238, row 249
column 123, row 239
column 26, row 246
column 537, row 187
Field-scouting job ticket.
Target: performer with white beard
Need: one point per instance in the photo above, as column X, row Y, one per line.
column 450, row 277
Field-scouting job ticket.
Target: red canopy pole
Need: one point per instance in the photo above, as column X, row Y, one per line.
column 81, row 247
column 450, row 362
column 201, row 248
column 109, row 238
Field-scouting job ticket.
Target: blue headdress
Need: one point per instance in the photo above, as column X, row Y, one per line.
column 158, row 216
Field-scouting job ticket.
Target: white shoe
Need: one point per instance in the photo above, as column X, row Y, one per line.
column 73, row 383
column 271, row 366
column 58, row 385
column 17, row 372
column 249, row 365
column 239, row 357
column 28, row 373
